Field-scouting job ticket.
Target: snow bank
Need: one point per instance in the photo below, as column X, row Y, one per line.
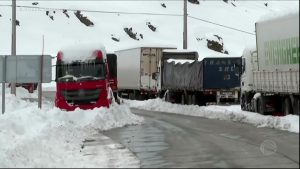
column 232, row 113
column 30, row 137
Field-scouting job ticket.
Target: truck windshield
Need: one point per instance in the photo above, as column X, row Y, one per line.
column 78, row 71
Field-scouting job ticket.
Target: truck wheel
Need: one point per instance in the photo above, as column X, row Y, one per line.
column 243, row 103
column 131, row 96
column 296, row 106
column 287, row 107
column 31, row 89
column 260, row 106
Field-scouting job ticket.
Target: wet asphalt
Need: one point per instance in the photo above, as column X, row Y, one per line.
column 169, row 140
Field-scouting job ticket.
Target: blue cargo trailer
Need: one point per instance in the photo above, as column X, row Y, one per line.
column 221, row 73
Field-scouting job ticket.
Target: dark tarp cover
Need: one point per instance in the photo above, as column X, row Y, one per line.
column 186, row 76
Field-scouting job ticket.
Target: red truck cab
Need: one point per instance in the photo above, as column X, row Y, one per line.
column 82, row 83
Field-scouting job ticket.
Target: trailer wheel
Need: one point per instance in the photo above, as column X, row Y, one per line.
column 131, row 96
column 287, row 107
column 31, row 89
column 243, row 103
column 260, row 106
column 296, row 106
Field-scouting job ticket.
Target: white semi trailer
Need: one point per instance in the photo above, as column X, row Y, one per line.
column 138, row 71
column 270, row 77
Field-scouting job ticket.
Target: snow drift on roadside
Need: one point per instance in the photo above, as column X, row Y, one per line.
column 30, row 137
column 232, row 113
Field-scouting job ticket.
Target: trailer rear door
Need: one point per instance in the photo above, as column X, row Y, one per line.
column 149, row 68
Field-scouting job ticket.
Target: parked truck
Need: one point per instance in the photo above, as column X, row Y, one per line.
column 270, row 79
column 138, row 71
column 82, row 78
column 213, row 80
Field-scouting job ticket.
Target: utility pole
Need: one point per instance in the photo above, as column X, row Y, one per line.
column 13, row 40
column 185, row 24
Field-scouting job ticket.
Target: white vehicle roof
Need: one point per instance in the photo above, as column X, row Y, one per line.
column 277, row 15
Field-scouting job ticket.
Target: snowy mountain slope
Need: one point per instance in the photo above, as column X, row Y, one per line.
column 61, row 31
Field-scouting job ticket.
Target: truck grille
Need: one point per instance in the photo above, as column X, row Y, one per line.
column 82, row 96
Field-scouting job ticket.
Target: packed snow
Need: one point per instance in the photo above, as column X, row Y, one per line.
column 30, row 137
column 230, row 113
column 82, row 51
column 48, row 137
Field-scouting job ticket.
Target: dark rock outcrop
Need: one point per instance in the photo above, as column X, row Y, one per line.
column 199, row 39
column 83, row 19
column 114, row 38
column 150, row 26
column 216, row 45
column 130, row 33
column 194, row 1
column 17, row 22
column 66, row 13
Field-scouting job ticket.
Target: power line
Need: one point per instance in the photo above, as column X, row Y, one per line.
column 132, row 13
column 97, row 11
column 221, row 25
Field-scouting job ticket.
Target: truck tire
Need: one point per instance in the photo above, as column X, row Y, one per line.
column 260, row 106
column 296, row 106
column 243, row 103
column 31, row 88
column 287, row 107
column 131, row 96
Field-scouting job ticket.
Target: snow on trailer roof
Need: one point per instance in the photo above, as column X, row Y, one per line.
column 150, row 45
column 181, row 61
column 81, row 52
column 182, row 54
column 276, row 15
column 179, row 51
